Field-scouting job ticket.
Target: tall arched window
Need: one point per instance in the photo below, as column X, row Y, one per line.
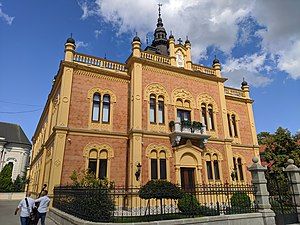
column 161, row 110
column 209, row 167
column 216, row 167
column 157, row 109
column 240, row 169
column 233, row 118
column 211, row 118
column 152, row 109
column 203, row 115
column 158, row 165
column 229, row 125
column 102, row 164
column 96, row 107
column 106, row 108
column 92, row 166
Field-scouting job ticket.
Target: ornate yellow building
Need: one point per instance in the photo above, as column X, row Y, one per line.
column 156, row 116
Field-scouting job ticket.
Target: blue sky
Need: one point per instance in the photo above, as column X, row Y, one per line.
column 259, row 41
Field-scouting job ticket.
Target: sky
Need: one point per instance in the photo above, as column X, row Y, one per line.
column 258, row 40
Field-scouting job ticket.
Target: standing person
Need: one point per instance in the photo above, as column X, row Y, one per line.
column 25, row 206
column 43, row 205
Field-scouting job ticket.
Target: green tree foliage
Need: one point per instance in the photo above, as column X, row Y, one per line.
column 6, row 183
column 279, row 147
column 19, row 184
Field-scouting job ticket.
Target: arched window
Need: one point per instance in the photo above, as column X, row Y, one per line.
column 103, row 164
column 158, row 165
column 92, row 167
column 211, row 118
column 234, row 125
column 161, row 110
column 212, row 167
column 97, row 164
column 152, row 109
column 157, row 109
column 106, row 108
column 203, row 115
column 229, row 125
column 240, row 169
column 209, row 167
column 96, row 107
column 216, row 167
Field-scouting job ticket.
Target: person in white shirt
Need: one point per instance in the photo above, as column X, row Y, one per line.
column 25, row 206
column 43, row 205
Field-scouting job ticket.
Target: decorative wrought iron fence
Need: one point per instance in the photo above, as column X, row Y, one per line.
column 124, row 204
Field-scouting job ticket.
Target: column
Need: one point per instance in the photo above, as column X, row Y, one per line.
column 261, row 195
column 294, row 175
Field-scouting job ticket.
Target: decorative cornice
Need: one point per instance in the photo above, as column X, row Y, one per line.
column 238, row 99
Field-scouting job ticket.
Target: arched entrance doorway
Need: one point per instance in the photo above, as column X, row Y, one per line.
column 188, row 165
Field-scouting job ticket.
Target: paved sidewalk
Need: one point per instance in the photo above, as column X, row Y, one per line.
column 7, row 217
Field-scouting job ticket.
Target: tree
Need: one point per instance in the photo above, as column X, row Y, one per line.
column 5, row 178
column 279, row 147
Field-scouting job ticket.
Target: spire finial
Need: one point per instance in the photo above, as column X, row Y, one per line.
column 71, row 35
column 179, row 40
column 159, row 5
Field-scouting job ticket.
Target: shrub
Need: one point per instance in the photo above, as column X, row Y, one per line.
column 240, row 200
column 160, row 189
column 189, row 205
column 89, row 198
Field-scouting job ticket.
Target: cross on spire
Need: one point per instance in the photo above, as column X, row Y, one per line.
column 159, row 5
column 179, row 40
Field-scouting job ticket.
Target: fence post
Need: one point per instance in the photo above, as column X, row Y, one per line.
column 261, row 195
column 294, row 176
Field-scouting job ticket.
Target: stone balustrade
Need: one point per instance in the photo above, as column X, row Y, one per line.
column 99, row 62
column 203, row 69
column 234, row 92
column 156, row 58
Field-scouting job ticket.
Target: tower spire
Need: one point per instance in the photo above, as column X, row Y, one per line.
column 160, row 41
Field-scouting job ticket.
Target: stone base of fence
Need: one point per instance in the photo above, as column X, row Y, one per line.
column 12, row 196
column 245, row 219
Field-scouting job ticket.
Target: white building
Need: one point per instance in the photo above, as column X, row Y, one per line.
column 15, row 148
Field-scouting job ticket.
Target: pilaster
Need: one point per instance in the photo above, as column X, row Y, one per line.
column 57, row 160
column 172, row 51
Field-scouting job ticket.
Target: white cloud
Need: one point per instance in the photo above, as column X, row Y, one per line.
column 81, row 44
column 8, row 19
column 248, row 67
column 213, row 23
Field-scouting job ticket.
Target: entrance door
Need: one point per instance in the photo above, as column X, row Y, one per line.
column 188, row 179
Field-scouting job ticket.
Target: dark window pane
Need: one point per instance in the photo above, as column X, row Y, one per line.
column 204, row 118
column 106, row 108
column 240, row 168
column 211, row 119
column 154, row 169
column 163, row 168
column 209, row 170
column 161, row 112
column 235, row 169
column 103, row 168
column 152, row 109
column 229, row 125
column 216, row 170
column 96, row 107
column 183, row 115
column 234, row 125
column 92, row 166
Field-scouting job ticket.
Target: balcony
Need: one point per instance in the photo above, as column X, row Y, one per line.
column 188, row 130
